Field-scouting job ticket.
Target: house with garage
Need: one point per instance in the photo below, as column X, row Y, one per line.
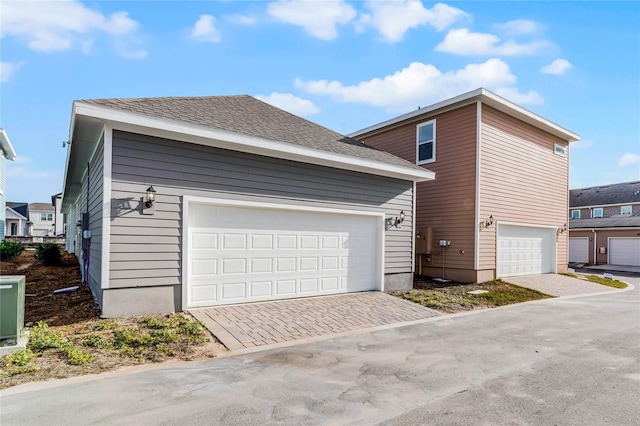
column 16, row 219
column 604, row 224
column 181, row 202
column 6, row 154
column 42, row 217
column 499, row 205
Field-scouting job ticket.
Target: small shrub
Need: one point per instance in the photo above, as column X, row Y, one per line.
column 19, row 362
column 76, row 356
column 10, row 250
column 43, row 338
column 48, row 254
column 96, row 341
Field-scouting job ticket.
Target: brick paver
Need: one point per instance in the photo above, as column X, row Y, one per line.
column 257, row 324
column 558, row 285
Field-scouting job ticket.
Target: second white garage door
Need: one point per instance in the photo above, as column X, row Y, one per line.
column 624, row 251
column 242, row 254
column 579, row 249
column 525, row 250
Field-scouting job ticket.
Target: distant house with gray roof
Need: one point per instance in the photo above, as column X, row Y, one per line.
column 176, row 203
column 604, row 224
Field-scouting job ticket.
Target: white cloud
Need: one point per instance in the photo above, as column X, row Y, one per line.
column 519, row 27
column 463, row 42
column 240, row 19
column 318, row 18
column 53, row 26
column 19, row 172
column 205, row 29
column 581, row 144
column 628, row 159
column 557, row 67
column 8, row 69
column 291, row 103
column 421, row 83
column 512, row 94
column 392, row 19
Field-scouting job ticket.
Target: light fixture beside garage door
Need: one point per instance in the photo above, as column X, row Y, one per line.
column 562, row 229
column 395, row 221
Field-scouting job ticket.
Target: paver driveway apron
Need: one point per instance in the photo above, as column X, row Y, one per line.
column 558, row 285
column 255, row 324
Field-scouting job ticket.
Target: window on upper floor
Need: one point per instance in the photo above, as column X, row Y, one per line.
column 426, row 142
column 46, row 217
column 626, row 210
column 597, row 212
column 559, row 149
column 575, row 214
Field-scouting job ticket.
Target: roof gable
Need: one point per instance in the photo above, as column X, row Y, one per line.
column 479, row 95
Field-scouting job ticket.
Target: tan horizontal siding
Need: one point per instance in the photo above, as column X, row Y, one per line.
column 447, row 204
column 521, row 180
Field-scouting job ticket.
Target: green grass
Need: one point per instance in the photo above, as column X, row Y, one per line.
column 455, row 297
column 599, row 280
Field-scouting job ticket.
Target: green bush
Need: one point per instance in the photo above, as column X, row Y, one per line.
column 48, row 254
column 9, row 250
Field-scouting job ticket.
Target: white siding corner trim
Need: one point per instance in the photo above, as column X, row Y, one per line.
column 106, row 206
column 189, row 201
column 476, row 228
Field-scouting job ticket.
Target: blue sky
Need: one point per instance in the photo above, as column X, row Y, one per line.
column 345, row 65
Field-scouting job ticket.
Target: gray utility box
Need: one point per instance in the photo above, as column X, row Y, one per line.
column 12, row 289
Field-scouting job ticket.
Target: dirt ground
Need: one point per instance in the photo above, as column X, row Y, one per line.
column 41, row 304
column 75, row 316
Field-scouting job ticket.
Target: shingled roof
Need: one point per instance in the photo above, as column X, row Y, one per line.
column 249, row 116
column 609, row 222
column 619, row 193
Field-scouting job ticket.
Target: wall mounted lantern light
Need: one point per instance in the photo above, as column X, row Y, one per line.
column 488, row 222
column 395, row 221
column 562, row 229
column 150, row 198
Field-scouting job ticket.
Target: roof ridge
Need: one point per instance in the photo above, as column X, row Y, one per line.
column 151, row 98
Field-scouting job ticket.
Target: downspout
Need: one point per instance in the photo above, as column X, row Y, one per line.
column 595, row 246
column 88, row 240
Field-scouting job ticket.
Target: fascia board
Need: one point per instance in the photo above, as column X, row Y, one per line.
column 160, row 127
column 9, row 152
column 484, row 96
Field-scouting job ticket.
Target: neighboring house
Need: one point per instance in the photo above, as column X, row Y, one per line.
column 174, row 203
column 59, row 225
column 499, row 203
column 17, row 222
column 604, row 225
column 42, row 216
column 6, row 154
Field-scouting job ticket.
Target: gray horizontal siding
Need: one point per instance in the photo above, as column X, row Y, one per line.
column 146, row 249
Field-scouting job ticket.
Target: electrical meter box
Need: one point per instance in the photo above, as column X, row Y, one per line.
column 423, row 241
column 12, row 289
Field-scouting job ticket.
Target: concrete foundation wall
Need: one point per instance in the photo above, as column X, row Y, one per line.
column 124, row 302
column 398, row 282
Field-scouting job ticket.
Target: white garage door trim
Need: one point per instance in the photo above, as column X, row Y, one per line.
column 187, row 201
column 583, row 249
column 551, row 235
column 630, row 246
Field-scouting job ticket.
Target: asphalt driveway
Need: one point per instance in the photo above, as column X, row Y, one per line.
column 557, row 361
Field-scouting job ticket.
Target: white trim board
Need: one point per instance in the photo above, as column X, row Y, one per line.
column 106, row 205
column 188, row 200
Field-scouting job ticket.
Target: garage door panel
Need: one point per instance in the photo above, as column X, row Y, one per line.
column 624, row 251
column 524, row 250
column 278, row 254
column 579, row 249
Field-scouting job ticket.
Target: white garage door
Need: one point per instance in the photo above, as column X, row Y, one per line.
column 525, row 250
column 242, row 254
column 624, row 251
column 579, row 249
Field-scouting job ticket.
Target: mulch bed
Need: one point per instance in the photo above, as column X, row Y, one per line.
column 41, row 304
